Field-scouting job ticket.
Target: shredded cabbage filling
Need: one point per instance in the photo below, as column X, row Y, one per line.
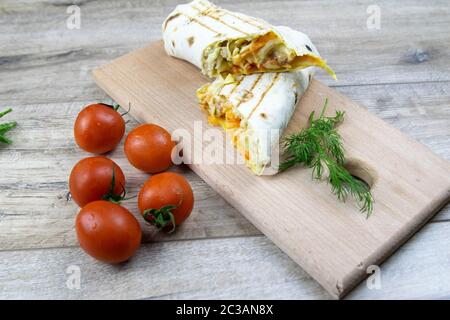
column 266, row 53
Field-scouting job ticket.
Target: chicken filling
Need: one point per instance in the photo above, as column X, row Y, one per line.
column 266, row 53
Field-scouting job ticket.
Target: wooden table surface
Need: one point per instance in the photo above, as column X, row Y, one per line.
column 400, row 72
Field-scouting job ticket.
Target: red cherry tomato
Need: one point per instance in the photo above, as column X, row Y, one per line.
column 166, row 200
column 91, row 180
column 149, row 148
column 99, row 128
column 107, row 231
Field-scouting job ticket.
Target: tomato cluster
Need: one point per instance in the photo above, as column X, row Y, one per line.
column 106, row 230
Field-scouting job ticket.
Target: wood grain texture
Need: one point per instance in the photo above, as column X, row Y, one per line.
column 45, row 51
column 34, row 212
column 408, row 182
column 255, row 268
column 399, row 73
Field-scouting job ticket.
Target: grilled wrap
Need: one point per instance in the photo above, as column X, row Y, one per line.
column 221, row 42
column 255, row 110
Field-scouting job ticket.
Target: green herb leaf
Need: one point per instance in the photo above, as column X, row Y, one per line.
column 5, row 112
column 5, row 127
column 320, row 147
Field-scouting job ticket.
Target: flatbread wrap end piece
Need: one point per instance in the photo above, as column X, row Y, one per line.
column 254, row 110
column 221, row 42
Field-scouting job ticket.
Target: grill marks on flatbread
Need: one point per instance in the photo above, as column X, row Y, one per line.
column 215, row 13
column 194, row 19
column 238, row 83
column 253, row 23
column 255, row 83
column 249, row 94
column 208, row 12
column 250, row 20
column 275, row 79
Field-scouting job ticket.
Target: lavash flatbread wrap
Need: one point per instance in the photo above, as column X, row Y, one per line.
column 221, row 42
column 254, row 110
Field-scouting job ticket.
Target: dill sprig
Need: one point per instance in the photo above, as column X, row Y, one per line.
column 320, row 147
column 5, row 127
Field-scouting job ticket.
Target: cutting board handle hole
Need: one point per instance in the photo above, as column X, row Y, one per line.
column 361, row 171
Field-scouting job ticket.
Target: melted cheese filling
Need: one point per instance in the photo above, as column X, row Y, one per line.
column 227, row 120
column 220, row 113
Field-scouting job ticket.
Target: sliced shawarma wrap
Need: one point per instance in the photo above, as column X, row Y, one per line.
column 254, row 110
column 221, row 42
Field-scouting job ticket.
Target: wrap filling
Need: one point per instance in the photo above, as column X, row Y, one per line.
column 221, row 112
column 263, row 53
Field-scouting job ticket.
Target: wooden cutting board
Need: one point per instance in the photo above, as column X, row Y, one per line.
column 331, row 240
